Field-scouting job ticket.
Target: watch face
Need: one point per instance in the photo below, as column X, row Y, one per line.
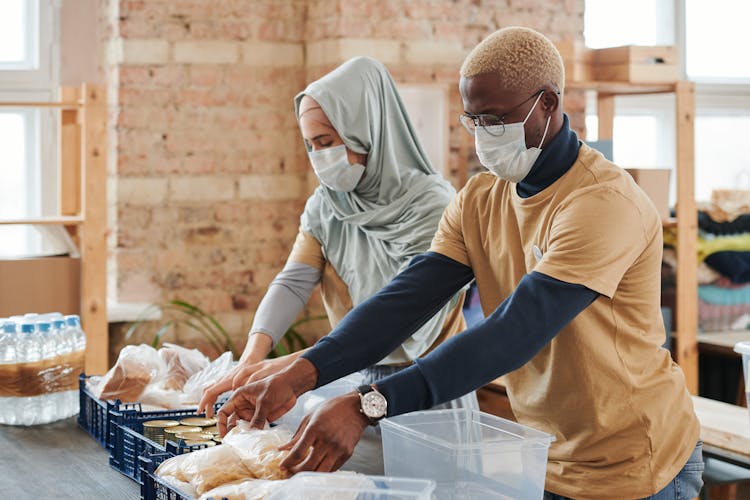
column 374, row 405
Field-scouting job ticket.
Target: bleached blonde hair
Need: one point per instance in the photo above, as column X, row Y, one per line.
column 523, row 58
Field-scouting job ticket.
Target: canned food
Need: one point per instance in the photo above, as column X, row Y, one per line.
column 194, row 436
column 154, row 429
column 170, row 433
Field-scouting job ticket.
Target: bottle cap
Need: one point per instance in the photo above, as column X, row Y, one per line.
column 73, row 320
column 27, row 327
column 43, row 326
column 9, row 327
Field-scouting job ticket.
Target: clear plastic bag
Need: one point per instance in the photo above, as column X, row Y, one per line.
column 339, row 485
column 193, row 389
column 211, row 467
column 259, row 449
column 181, row 364
column 181, row 486
column 251, row 489
column 136, row 367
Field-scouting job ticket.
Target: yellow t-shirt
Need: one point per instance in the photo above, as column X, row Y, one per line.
column 336, row 299
column 613, row 398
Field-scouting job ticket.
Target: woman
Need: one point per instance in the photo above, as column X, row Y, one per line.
column 378, row 205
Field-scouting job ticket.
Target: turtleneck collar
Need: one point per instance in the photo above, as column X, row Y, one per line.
column 554, row 160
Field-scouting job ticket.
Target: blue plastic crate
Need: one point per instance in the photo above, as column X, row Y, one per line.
column 93, row 416
column 152, row 487
column 127, row 442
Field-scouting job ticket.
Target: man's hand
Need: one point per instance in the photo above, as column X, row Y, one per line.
column 326, row 438
column 268, row 399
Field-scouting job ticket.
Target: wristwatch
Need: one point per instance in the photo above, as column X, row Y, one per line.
column 374, row 406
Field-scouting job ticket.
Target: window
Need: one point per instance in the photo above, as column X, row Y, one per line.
column 711, row 43
column 28, row 72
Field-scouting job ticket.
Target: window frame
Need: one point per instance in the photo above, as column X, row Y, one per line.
column 713, row 96
column 39, row 84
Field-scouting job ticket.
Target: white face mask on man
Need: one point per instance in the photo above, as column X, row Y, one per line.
column 505, row 153
column 334, row 170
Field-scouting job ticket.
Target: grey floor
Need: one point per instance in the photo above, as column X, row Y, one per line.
column 56, row 461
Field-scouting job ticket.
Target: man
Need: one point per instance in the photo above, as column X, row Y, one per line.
column 566, row 253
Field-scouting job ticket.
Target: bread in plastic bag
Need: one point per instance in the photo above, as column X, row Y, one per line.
column 259, row 449
column 193, row 389
column 249, row 489
column 136, row 367
column 172, row 467
column 211, row 467
column 183, row 487
column 181, row 364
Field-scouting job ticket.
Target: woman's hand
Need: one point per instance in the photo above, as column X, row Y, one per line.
column 213, row 391
column 268, row 399
column 257, row 348
column 262, row 369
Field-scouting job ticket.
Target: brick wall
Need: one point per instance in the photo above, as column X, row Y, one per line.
column 208, row 175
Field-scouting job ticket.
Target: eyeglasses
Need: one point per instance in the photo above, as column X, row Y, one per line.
column 472, row 122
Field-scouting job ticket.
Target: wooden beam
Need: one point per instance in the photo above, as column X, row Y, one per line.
column 687, row 236
column 70, row 155
column 605, row 109
column 94, row 231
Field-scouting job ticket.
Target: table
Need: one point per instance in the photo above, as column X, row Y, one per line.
column 722, row 342
column 58, row 460
column 725, row 430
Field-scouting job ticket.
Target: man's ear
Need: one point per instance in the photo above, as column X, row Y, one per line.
column 550, row 100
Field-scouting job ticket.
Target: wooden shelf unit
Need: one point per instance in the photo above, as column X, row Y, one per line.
column 83, row 205
column 686, row 313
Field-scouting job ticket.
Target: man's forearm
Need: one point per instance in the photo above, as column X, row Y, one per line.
column 380, row 324
column 521, row 326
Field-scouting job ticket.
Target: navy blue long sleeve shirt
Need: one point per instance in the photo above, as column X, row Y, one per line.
column 525, row 322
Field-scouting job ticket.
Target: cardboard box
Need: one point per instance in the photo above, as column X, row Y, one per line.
column 577, row 60
column 636, row 64
column 655, row 183
column 40, row 285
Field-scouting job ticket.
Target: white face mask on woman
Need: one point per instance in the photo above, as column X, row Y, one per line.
column 334, row 170
column 505, row 153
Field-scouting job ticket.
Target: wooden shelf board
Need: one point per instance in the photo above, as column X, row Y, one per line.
column 30, row 104
column 623, row 88
column 64, row 220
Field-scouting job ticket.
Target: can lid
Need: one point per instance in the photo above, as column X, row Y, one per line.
column 198, row 421
column 742, row 347
column 194, row 436
column 182, row 428
column 161, row 423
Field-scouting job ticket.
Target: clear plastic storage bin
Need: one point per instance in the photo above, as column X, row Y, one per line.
column 469, row 454
column 321, row 486
column 744, row 349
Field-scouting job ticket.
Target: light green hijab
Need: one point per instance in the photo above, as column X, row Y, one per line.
column 370, row 234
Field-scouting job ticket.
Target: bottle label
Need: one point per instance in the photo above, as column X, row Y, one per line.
column 56, row 374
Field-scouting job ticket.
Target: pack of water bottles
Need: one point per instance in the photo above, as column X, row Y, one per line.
column 41, row 356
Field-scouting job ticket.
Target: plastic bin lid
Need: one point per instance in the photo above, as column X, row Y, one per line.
column 742, row 348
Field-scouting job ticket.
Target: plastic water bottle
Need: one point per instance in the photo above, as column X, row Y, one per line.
column 29, row 350
column 76, row 332
column 78, row 342
column 68, row 400
column 48, row 403
column 8, row 405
